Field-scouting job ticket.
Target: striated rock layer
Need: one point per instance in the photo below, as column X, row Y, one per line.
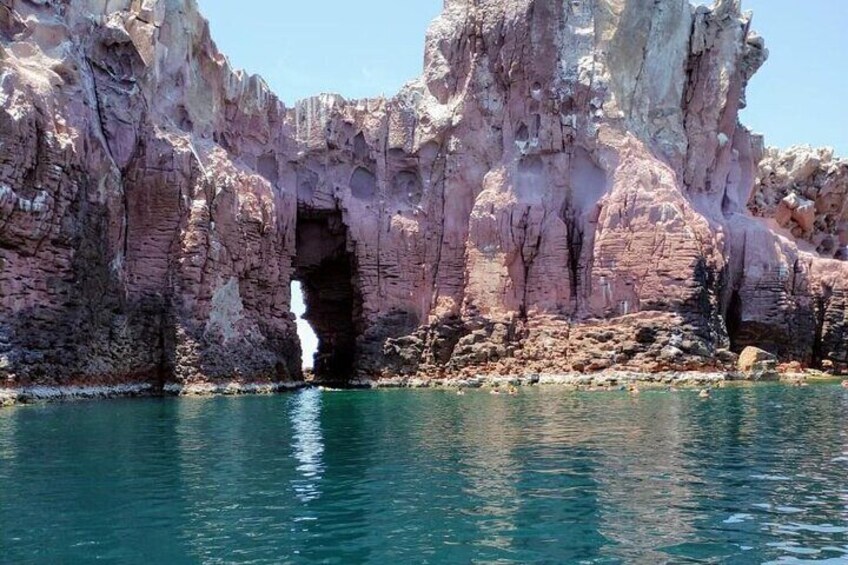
column 565, row 188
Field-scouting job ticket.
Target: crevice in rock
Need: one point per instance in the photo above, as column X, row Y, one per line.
column 436, row 161
column 822, row 302
column 733, row 321
column 104, row 134
column 528, row 251
column 574, row 233
column 101, row 118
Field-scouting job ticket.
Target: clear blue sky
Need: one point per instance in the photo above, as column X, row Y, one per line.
column 799, row 96
column 356, row 48
column 369, row 47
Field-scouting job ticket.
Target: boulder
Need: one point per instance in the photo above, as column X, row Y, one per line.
column 751, row 356
column 758, row 364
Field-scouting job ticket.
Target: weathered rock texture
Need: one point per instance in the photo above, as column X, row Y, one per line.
column 139, row 239
column 805, row 191
column 565, row 188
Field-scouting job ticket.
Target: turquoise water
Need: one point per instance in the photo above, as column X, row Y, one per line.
column 753, row 475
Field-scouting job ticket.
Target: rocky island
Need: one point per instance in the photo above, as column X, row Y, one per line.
column 566, row 189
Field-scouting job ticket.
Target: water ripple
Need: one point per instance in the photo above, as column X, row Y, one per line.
column 754, row 475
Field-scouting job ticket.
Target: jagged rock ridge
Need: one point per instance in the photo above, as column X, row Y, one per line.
column 566, row 187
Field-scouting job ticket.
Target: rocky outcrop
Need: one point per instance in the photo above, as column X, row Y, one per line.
column 805, row 192
column 139, row 239
column 565, row 188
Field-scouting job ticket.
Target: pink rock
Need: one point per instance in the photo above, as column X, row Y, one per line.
column 538, row 201
column 805, row 215
column 810, row 187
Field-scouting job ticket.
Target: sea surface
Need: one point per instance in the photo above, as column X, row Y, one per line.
column 755, row 474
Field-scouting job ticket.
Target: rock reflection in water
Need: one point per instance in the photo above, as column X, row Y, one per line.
column 491, row 474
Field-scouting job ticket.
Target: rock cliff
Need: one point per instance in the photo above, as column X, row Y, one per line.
column 565, row 188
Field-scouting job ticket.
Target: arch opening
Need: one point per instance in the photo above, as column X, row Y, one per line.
column 305, row 332
column 326, row 272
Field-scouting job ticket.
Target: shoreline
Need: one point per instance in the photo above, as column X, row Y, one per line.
column 577, row 380
column 611, row 380
column 47, row 394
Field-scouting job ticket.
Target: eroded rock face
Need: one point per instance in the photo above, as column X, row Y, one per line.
column 566, row 187
column 139, row 239
column 805, row 191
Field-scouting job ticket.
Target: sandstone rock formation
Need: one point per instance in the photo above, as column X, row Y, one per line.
column 566, row 187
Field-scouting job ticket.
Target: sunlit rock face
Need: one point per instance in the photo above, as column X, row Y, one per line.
column 142, row 235
column 566, row 187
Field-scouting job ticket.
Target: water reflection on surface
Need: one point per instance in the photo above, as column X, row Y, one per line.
column 490, row 471
column 753, row 475
column 307, row 443
column 648, row 471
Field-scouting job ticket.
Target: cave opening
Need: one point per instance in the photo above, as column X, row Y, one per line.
column 326, row 271
column 743, row 333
